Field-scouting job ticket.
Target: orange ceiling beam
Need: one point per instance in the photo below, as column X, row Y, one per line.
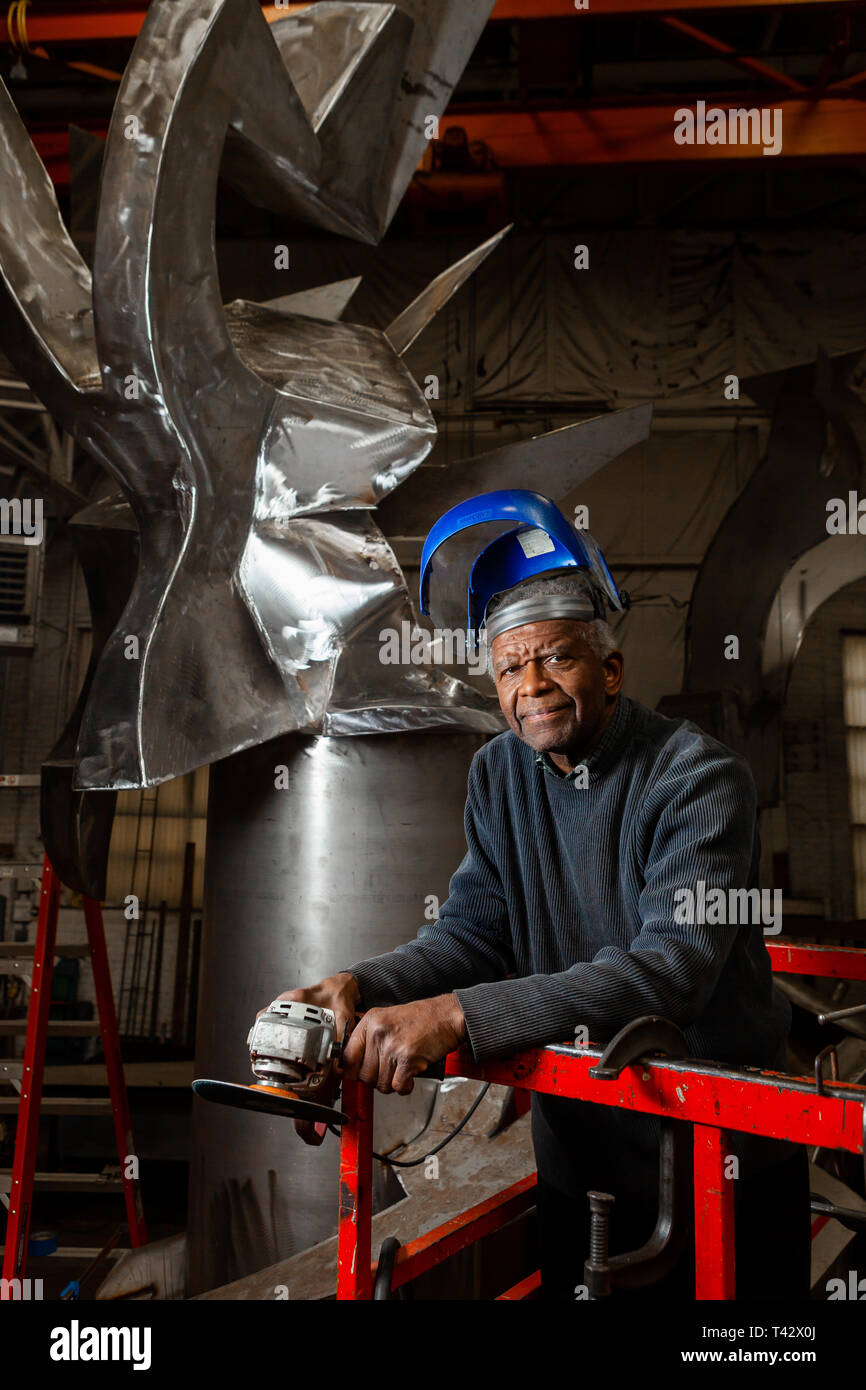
column 830, row 128
column 76, row 28
column 94, row 25
column 86, row 26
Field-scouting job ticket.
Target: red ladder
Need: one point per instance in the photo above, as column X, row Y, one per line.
column 33, row 1071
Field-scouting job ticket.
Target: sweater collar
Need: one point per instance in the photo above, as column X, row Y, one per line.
column 602, row 753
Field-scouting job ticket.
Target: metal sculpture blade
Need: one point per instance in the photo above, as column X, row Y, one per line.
column 553, row 463
column 373, row 79
column 321, row 302
column 406, row 327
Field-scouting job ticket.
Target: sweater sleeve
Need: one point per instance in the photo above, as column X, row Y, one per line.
column 705, row 830
column 470, row 942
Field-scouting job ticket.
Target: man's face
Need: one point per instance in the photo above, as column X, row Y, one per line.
column 553, row 690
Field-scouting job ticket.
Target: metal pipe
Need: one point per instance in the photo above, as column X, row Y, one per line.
column 320, row 852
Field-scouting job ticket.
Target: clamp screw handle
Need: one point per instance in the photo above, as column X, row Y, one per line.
column 600, row 1207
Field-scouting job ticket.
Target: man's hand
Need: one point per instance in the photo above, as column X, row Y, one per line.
column 391, row 1046
column 341, row 994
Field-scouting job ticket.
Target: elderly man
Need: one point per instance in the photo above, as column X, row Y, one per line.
column 583, row 821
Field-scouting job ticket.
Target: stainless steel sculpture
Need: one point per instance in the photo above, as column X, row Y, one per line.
column 252, row 443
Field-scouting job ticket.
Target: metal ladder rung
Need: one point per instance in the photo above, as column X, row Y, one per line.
column 25, row 949
column 65, row 1182
column 59, row 1027
column 79, row 1252
column 61, row 1105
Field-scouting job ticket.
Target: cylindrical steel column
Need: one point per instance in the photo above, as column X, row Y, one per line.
column 301, row 880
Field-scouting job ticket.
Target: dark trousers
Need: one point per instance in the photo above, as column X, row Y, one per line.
column 579, row 1147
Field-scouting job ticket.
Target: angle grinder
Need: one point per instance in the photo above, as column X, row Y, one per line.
column 293, row 1052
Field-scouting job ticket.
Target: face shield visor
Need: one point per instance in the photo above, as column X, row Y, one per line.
column 492, row 542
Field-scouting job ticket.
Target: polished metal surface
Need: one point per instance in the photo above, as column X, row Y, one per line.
column 251, row 443
column 370, row 78
column 336, row 863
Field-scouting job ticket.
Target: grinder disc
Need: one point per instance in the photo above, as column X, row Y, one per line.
column 269, row 1099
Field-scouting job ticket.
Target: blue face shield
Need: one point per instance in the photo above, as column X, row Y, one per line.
column 491, row 542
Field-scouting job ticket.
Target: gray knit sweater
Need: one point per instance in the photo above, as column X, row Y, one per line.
column 570, row 889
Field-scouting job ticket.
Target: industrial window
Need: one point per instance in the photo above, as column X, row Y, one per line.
column 854, row 693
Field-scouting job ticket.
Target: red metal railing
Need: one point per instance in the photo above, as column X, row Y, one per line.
column 754, row 1102
column 829, row 962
